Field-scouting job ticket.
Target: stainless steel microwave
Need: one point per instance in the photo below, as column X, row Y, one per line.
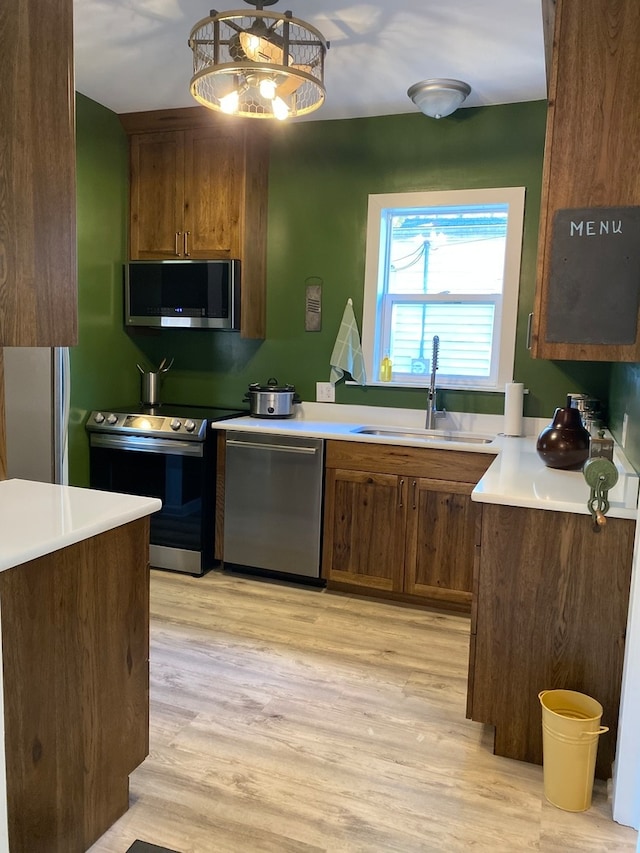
column 182, row 294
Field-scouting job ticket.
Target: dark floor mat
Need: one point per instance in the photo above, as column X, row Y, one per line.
column 145, row 847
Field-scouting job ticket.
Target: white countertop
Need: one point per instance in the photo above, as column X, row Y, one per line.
column 517, row 476
column 333, row 420
column 39, row 518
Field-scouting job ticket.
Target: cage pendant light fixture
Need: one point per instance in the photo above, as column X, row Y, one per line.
column 258, row 64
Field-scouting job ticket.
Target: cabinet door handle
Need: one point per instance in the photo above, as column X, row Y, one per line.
column 414, row 486
column 529, row 330
column 178, row 233
column 400, row 493
column 186, row 243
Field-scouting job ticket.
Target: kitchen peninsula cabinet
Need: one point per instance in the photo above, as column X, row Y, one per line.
column 199, row 191
column 399, row 521
column 75, row 657
column 74, row 602
column 550, row 612
column 586, row 305
column 3, row 427
column 38, row 283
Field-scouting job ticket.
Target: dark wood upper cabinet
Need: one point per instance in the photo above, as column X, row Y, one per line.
column 38, row 279
column 156, row 195
column 548, row 24
column 199, row 190
column 588, row 280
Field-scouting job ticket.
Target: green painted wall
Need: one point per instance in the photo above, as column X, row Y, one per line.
column 321, row 173
column 103, row 363
column 625, row 398
column 320, row 176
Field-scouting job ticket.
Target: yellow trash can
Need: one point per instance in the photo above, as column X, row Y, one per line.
column 570, row 731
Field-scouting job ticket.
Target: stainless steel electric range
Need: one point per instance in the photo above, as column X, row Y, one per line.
column 166, row 452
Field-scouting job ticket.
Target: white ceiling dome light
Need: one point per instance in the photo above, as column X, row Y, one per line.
column 439, row 96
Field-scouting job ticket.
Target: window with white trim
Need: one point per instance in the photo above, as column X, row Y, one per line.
column 447, row 264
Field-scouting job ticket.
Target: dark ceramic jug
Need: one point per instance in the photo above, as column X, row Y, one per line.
column 565, row 442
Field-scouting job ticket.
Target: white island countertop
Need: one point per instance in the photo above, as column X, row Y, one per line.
column 516, row 477
column 39, row 518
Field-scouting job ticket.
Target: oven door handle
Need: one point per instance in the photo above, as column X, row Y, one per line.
column 143, row 444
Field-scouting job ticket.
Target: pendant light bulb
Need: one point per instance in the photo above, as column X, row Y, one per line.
column 268, row 88
column 251, row 45
column 280, row 109
column 229, row 103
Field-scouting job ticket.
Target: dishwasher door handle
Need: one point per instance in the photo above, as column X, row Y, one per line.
column 287, row 448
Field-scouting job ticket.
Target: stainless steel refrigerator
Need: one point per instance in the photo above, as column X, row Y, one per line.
column 37, row 412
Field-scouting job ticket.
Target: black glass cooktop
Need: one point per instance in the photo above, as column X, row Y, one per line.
column 173, row 410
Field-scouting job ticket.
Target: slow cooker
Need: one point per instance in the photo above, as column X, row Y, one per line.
column 271, row 400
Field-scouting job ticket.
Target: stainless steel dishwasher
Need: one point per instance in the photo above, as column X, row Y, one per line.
column 273, row 502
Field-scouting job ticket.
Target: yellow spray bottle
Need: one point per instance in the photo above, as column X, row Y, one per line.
column 385, row 369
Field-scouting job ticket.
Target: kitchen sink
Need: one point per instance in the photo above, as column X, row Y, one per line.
column 425, row 435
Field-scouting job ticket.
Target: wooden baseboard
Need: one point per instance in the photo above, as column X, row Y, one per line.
column 462, row 608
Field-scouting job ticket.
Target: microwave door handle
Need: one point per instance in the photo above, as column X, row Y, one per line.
column 186, row 243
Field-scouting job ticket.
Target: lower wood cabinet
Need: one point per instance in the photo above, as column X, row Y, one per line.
column 400, row 521
column 551, row 613
column 75, row 657
column 365, row 529
column 440, row 540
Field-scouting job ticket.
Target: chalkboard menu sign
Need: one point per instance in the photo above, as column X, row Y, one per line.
column 594, row 277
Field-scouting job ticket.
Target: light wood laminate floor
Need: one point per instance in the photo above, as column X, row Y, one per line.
column 286, row 719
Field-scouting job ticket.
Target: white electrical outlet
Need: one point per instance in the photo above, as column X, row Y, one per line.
column 325, row 392
column 625, row 427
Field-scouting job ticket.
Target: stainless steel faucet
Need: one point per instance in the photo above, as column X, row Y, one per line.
column 432, row 409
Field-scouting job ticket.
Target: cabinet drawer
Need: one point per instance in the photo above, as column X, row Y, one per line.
column 455, row 465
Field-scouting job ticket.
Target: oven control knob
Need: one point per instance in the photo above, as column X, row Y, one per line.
column 98, row 417
column 175, row 424
column 189, row 425
column 111, row 419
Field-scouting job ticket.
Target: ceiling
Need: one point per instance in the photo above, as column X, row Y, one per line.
column 133, row 55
